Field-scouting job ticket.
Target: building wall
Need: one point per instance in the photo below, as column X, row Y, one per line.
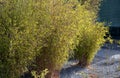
column 110, row 12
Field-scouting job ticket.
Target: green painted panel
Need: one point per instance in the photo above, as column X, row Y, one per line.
column 110, row 12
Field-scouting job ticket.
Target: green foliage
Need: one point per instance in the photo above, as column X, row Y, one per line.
column 93, row 5
column 91, row 38
column 45, row 31
column 115, row 41
column 65, row 29
column 20, row 35
column 42, row 75
column 119, row 42
column 90, row 42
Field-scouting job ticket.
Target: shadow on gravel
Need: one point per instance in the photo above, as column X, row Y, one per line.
column 71, row 72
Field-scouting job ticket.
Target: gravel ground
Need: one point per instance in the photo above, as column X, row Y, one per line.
column 100, row 67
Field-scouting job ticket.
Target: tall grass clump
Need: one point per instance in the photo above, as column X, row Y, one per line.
column 71, row 24
column 45, row 32
column 20, row 35
column 65, row 20
column 91, row 38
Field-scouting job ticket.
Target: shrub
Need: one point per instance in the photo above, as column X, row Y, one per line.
column 20, row 35
column 91, row 38
column 90, row 42
column 92, row 4
column 65, row 29
column 68, row 22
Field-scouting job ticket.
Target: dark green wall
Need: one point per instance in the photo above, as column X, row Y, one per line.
column 110, row 12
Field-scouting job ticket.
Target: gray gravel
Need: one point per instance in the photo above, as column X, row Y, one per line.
column 99, row 67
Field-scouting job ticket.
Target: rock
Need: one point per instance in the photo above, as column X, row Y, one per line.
column 113, row 59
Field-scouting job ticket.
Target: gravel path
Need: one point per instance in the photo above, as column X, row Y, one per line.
column 100, row 68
